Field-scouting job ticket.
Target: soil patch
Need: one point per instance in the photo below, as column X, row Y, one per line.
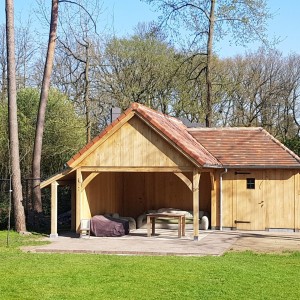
column 267, row 242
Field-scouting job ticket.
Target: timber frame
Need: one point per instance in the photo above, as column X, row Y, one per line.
column 145, row 160
column 78, row 188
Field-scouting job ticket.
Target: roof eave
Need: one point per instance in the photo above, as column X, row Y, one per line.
column 209, row 166
column 260, row 167
column 56, row 177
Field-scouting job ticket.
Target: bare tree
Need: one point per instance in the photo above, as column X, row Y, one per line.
column 77, row 46
column 20, row 224
column 37, row 152
column 25, row 50
column 208, row 21
column 262, row 89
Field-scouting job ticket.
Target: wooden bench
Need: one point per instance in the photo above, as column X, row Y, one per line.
column 153, row 216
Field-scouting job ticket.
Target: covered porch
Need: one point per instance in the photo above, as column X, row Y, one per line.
column 131, row 191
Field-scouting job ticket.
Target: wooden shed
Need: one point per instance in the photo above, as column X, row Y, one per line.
column 243, row 177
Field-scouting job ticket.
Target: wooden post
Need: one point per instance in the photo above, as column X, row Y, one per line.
column 78, row 198
column 196, row 179
column 53, row 233
column 73, row 207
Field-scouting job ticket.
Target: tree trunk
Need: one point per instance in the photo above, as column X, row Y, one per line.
column 86, row 95
column 3, row 79
column 38, row 142
column 208, row 64
column 3, row 64
column 19, row 214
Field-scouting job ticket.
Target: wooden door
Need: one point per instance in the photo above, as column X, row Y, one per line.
column 250, row 205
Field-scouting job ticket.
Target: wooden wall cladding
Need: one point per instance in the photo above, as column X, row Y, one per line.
column 135, row 144
column 274, row 203
column 131, row 194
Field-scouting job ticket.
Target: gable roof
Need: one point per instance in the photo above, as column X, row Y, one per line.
column 171, row 129
column 245, row 147
column 205, row 147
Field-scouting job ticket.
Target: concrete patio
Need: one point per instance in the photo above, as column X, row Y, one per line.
column 166, row 242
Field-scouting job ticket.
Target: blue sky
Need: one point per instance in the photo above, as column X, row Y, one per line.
column 124, row 15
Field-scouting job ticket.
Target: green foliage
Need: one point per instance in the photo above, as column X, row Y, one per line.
column 64, row 131
column 260, row 89
column 240, row 21
column 64, row 135
column 88, row 276
column 3, row 139
column 293, row 144
column 64, row 203
column 4, row 204
column 141, row 70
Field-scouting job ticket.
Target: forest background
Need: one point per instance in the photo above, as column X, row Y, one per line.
column 162, row 64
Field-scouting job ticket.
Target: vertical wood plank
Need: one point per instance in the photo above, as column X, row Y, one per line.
column 135, row 144
column 196, row 179
column 234, row 199
column 54, row 210
column 227, row 200
column 267, row 196
column 205, row 186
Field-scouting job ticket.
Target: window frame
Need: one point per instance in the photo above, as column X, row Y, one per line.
column 250, row 183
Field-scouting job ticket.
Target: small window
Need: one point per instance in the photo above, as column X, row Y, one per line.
column 251, row 183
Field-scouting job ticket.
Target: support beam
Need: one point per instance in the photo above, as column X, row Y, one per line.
column 136, row 169
column 88, row 180
column 196, row 179
column 186, row 180
column 78, row 198
column 53, row 233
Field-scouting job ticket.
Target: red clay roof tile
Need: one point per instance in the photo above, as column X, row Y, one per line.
column 211, row 147
column 177, row 132
column 245, row 147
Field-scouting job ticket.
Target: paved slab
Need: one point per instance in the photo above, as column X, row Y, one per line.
column 165, row 242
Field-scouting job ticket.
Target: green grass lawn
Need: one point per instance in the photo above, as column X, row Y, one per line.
column 89, row 276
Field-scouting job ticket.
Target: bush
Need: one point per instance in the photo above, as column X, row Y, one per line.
column 4, row 206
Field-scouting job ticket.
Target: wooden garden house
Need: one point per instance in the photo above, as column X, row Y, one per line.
column 243, row 177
